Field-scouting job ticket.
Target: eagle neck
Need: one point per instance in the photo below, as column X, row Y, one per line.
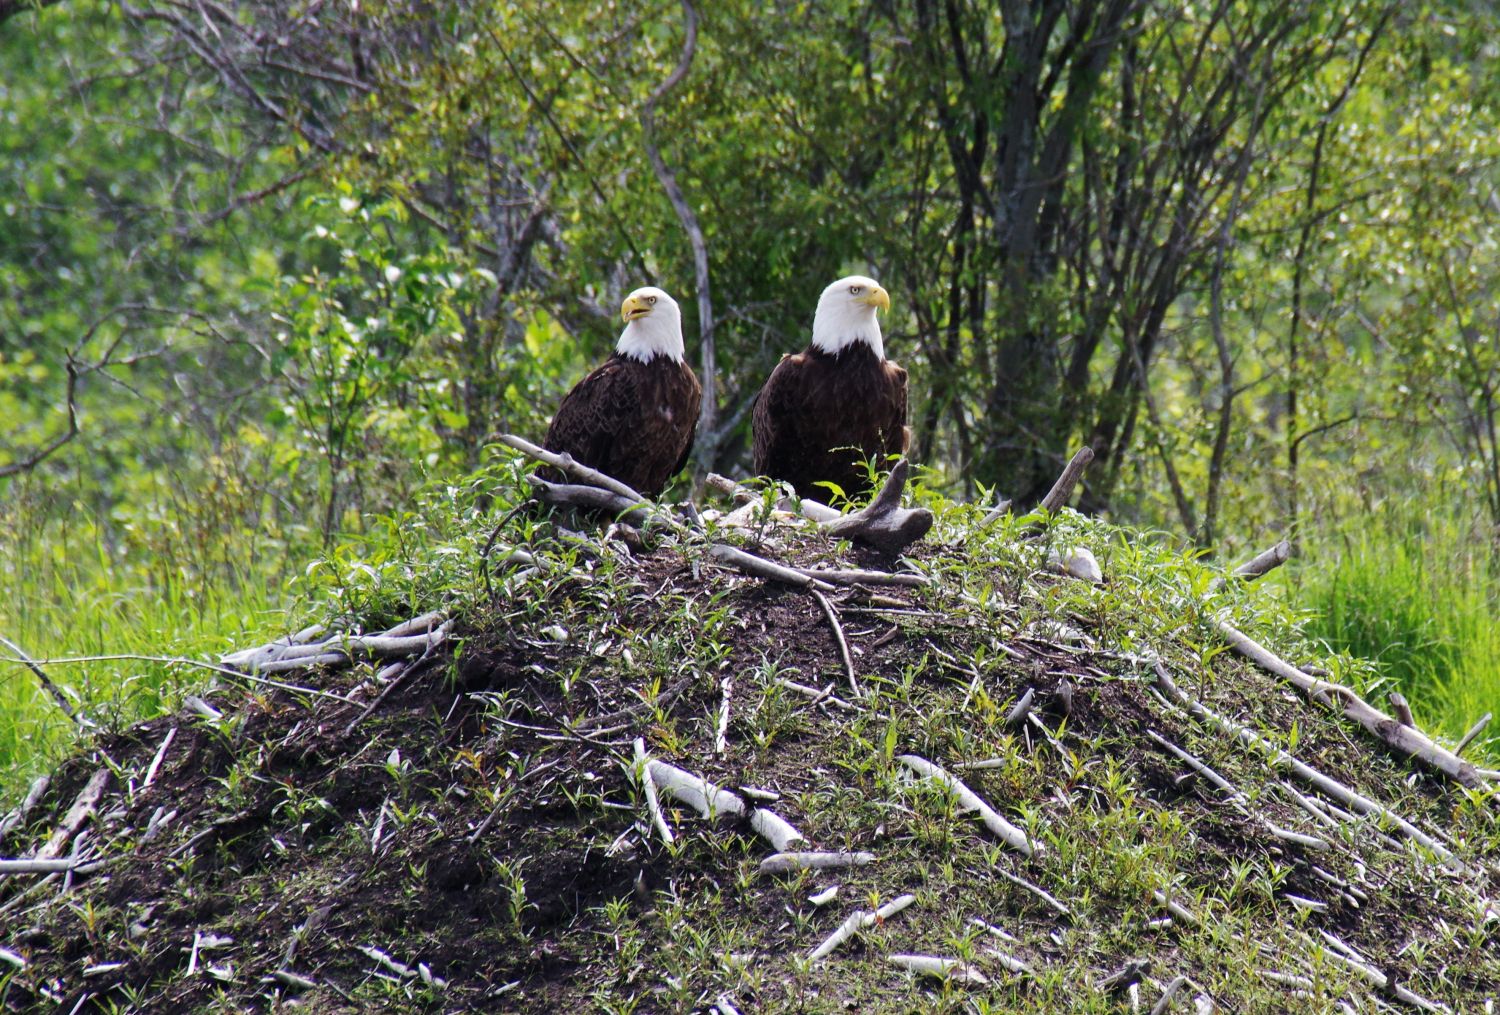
column 834, row 332
column 644, row 339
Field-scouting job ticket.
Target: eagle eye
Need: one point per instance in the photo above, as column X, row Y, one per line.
column 651, row 300
column 854, row 290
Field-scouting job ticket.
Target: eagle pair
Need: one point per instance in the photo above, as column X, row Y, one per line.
column 820, row 416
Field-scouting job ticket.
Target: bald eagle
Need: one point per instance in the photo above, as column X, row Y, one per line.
column 634, row 416
column 836, row 404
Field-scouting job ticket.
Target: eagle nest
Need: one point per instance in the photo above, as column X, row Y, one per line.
column 760, row 761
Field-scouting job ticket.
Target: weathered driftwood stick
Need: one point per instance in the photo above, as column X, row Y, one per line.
column 885, row 523
column 759, row 567
column 721, row 730
column 1075, row 562
column 812, row 510
column 1177, row 909
column 52, row 689
column 1402, row 708
column 780, row 863
column 1261, row 564
column 815, row 696
column 1287, row 835
column 1474, row 731
column 1063, row 488
column 565, row 463
column 593, row 498
column 648, row 790
column 971, row 801
column 996, row 513
column 1235, row 796
column 39, row 866
column 1009, row 962
column 858, row 921
column 858, row 577
column 1022, row 708
column 283, row 655
column 838, row 636
column 1403, row 738
column 17, row 817
column 694, row 790
column 1036, row 890
column 83, row 807
column 157, row 758
column 775, row 829
column 1308, row 774
column 939, row 968
column 1168, row 992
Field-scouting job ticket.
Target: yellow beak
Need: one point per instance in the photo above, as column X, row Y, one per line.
column 633, row 307
column 879, row 298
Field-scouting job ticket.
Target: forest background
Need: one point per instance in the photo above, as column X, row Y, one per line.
column 271, row 273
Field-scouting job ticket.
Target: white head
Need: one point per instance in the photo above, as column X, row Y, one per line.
column 846, row 314
column 653, row 326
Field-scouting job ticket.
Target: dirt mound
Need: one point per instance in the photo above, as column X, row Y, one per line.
column 480, row 839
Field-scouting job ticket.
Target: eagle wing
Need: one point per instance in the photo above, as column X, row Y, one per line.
column 774, row 416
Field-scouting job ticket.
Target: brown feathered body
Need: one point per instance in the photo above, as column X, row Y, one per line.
column 631, row 420
column 822, row 415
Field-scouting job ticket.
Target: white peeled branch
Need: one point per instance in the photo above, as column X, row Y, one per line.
column 775, row 829
column 856, row 922
column 694, row 790
column 971, row 801
column 779, row 863
column 939, row 968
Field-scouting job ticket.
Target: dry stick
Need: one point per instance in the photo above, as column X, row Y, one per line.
column 1474, row 731
column 815, row 696
column 884, row 522
column 161, row 753
column 1022, row 708
column 1036, row 890
column 780, row 863
column 17, row 817
column 694, row 790
column 1167, row 994
column 662, row 700
column 1403, row 738
column 565, row 463
column 838, row 635
column 83, row 806
column 594, row 498
column 858, row 577
column 721, row 734
column 46, row 682
column 971, row 801
column 1235, row 796
column 1063, row 488
column 775, row 829
column 1402, row 708
column 1262, row 563
column 40, row 866
column 648, row 789
column 939, row 968
column 759, row 567
column 1306, row 773
column 857, row 922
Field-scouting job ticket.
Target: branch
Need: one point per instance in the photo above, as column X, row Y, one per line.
column 1063, row 488
column 1262, row 563
column 708, row 417
column 565, row 463
column 46, row 682
column 46, row 450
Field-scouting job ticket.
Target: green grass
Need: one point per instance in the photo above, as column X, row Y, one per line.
column 163, row 581
column 1418, row 596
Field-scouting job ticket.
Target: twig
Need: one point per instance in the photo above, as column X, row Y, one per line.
column 858, row 921
column 1036, row 890
column 1262, row 563
column 780, row 863
column 1402, row 708
column 565, row 463
column 1063, row 488
column 648, row 789
column 970, row 801
column 156, row 760
column 1021, row 709
column 40, row 866
column 759, row 567
column 1474, row 731
column 815, row 696
column 1403, row 738
column 939, row 968
column 721, row 733
column 83, row 807
column 662, row 700
column 1235, row 796
column 593, row 498
column 838, row 635
column 694, row 790
column 17, row 817
column 1168, row 992
column 857, row 577
column 47, row 685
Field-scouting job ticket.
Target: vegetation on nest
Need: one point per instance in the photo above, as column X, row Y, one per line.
column 338, row 855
